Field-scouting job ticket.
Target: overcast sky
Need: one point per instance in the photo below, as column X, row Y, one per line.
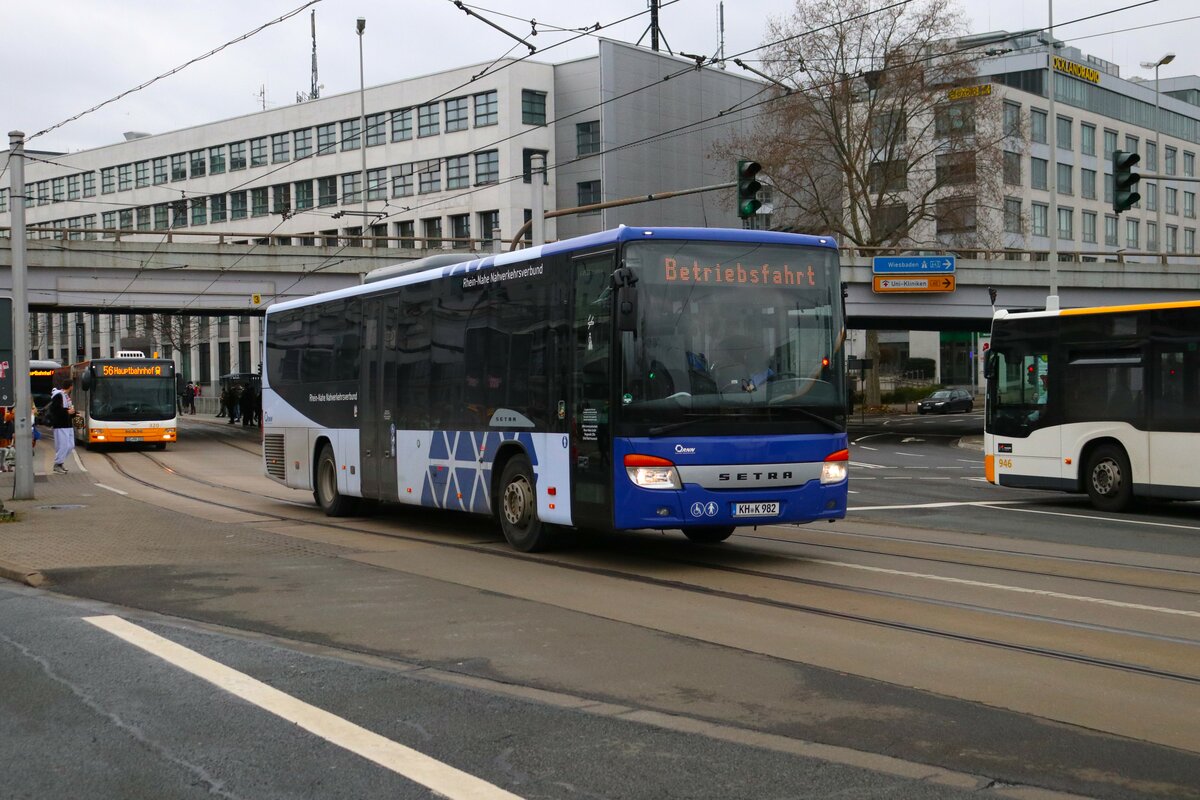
column 61, row 57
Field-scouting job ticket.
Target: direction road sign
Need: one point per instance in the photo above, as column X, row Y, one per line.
column 912, row 265
column 912, row 283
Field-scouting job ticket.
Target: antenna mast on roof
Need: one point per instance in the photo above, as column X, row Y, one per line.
column 316, row 87
column 653, row 30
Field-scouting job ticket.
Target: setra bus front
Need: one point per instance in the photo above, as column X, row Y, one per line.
column 125, row 401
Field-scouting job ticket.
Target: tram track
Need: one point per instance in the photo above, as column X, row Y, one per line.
column 498, row 549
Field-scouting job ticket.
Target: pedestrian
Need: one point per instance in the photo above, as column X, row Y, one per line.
column 235, row 399
column 247, row 406
column 8, row 452
column 61, row 412
column 224, row 401
column 189, row 398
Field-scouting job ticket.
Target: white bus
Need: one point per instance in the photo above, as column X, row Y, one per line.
column 1103, row 401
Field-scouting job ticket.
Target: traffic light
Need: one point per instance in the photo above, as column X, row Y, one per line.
column 1125, row 180
column 748, row 188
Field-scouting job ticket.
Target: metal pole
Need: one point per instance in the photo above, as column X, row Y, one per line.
column 22, row 433
column 1159, row 197
column 362, row 124
column 537, row 167
column 1052, row 169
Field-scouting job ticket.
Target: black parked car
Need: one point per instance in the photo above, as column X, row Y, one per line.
column 943, row 401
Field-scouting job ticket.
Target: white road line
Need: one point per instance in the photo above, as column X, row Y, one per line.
column 911, row 455
column 1107, row 519
column 111, row 489
column 946, row 504
column 864, row 447
column 418, row 767
column 1006, row 588
column 865, row 465
column 78, row 461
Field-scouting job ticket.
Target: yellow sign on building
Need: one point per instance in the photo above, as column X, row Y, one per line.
column 964, row 92
column 1076, row 70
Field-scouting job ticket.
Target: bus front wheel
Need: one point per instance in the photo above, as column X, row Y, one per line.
column 710, row 534
column 517, row 508
column 326, row 493
column 1109, row 479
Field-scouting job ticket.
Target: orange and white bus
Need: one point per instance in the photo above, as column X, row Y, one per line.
column 127, row 400
column 1101, row 401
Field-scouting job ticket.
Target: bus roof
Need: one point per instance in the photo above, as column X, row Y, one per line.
column 1003, row 314
column 440, row 266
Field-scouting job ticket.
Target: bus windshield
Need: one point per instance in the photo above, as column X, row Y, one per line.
column 747, row 331
column 133, row 398
column 1018, row 385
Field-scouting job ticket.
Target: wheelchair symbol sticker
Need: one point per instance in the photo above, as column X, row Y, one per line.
column 697, row 509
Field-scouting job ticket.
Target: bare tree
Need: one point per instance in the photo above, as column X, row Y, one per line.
column 877, row 132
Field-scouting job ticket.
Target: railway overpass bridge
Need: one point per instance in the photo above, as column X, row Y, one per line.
column 222, row 278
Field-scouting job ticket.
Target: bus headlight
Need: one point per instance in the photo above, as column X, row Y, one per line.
column 836, row 467
column 652, row 472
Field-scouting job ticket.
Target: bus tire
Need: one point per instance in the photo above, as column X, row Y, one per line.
column 1108, row 478
column 325, row 490
column 516, row 508
column 709, row 534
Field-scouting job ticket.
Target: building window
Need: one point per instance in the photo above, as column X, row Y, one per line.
column 588, row 192
column 1131, row 234
column 892, row 176
column 527, row 157
column 402, row 125
column 258, row 152
column 1131, row 144
column 1089, row 227
column 432, row 230
column 217, row 207
column 1087, row 183
column 43, row 194
column 89, row 184
column 954, row 119
column 1110, row 230
column 282, row 196
column 279, row 148
column 1037, row 172
column 216, row 160
column 1108, row 187
column 1189, row 164
column 327, row 191
column 199, row 163
column 126, row 217
column 1172, row 239
column 258, row 202
column 200, row 211
column 1151, row 156
column 351, row 135
column 456, row 114
column 326, row 139
column 460, row 231
column 302, row 143
column 1062, row 136
column 108, row 181
column 1189, row 240
column 956, row 215
column 1037, row 126
column 1012, row 215
column 141, row 175
column 1012, row 168
column 1150, row 192
column 57, row 189
column 489, row 225
column 160, row 217
column 72, row 188
column 533, row 107
column 1087, row 139
column 1064, row 179
column 587, row 137
column 429, row 175
column 179, row 167
column 427, row 121
column 179, row 214
column 351, row 188
column 1189, row 204
column 1110, row 144
column 407, row 232
column 377, row 184
column 888, row 129
column 1066, row 223
column 486, row 109
column 951, row 169
column 237, row 205
column 1012, row 119
column 304, row 195
column 237, row 156
column 402, row 180
column 487, row 167
column 458, row 172
column 108, row 221
column 1172, row 200
column 376, row 130
column 1152, row 236
column 1170, row 160
column 1039, row 219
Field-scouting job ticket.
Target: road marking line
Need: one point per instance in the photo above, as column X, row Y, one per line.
column 946, row 504
column 111, row 489
column 78, row 460
column 1106, row 519
column 865, row 465
column 415, row 766
column 1005, row 588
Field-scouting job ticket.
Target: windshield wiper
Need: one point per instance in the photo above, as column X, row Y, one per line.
column 674, row 426
column 818, row 418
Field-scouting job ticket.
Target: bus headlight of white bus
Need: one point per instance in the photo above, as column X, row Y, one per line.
column 836, row 467
column 652, row 472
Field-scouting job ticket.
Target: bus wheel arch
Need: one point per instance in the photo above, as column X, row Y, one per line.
column 1106, row 475
column 516, row 505
column 325, row 482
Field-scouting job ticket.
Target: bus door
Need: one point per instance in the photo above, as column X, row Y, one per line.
column 592, row 376
column 377, row 399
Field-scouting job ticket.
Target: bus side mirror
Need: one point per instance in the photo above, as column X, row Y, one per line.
column 85, row 380
column 627, row 308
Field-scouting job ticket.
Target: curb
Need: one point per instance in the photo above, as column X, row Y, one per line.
column 25, row 575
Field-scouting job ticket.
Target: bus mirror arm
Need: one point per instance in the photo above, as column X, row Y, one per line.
column 627, row 309
column 989, row 366
column 85, row 380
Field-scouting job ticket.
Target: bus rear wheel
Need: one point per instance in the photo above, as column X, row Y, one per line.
column 326, row 493
column 1108, row 478
column 710, row 534
column 516, row 508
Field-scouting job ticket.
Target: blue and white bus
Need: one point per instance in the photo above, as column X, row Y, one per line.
column 661, row 378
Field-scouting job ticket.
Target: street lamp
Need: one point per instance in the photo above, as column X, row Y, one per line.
column 362, row 125
column 1159, row 197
